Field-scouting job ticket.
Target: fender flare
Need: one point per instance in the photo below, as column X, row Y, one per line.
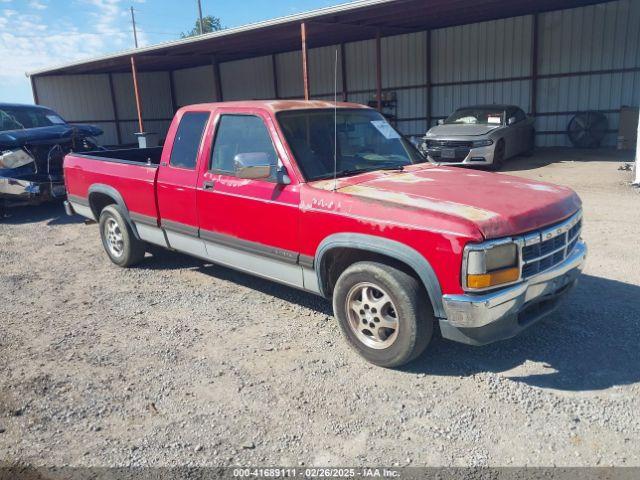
column 390, row 248
column 115, row 195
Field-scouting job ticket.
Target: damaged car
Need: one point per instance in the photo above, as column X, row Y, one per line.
column 33, row 143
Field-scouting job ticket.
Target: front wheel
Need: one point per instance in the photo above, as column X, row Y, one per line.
column 498, row 156
column 383, row 313
column 118, row 240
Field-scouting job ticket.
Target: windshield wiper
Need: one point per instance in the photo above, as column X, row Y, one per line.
column 357, row 171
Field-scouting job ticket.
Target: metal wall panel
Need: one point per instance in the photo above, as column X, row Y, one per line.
column 77, row 97
column 598, row 37
column 446, row 99
column 194, row 85
column 482, row 51
column 361, row 65
column 155, row 95
column 289, row 72
column 250, row 79
column 404, row 60
column 322, row 68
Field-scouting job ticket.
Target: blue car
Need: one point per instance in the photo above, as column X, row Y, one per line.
column 33, row 143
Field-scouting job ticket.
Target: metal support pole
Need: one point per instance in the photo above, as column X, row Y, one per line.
column 343, row 64
column 34, row 90
column 172, row 92
column 636, row 181
column 216, row 79
column 429, row 81
column 116, row 116
column 534, row 66
column 305, row 64
column 274, row 71
column 136, row 91
column 378, row 72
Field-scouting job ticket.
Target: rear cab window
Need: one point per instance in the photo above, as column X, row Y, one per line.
column 186, row 144
column 239, row 134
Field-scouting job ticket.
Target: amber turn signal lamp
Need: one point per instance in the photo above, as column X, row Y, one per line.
column 492, row 279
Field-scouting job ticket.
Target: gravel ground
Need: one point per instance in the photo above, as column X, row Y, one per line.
column 177, row 362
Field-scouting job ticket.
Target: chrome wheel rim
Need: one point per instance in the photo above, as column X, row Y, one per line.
column 372, row 316
column 113, row 237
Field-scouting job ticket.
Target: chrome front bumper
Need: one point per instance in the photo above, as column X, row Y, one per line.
column 476, row 156
column 486, row 318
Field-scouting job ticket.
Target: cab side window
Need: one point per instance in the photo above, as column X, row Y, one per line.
column 184, row 153
column 239, row 134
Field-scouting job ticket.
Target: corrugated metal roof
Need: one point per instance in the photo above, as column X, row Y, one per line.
column 350, row 22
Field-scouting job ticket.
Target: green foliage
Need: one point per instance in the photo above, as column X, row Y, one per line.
column 209, row 24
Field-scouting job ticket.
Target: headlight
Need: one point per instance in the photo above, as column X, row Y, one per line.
column 482, row 143
column 490, row 265
column 14, row 158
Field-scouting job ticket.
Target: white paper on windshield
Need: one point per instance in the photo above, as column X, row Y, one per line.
column 55, row 119
column 385, row 129
column 495, row 120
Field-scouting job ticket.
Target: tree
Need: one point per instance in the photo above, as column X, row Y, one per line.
column 209, row 24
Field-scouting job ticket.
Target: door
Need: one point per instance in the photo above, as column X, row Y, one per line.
column 177, row 183
column 250, row 224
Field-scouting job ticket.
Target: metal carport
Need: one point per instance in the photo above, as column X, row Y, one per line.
column 427, row 57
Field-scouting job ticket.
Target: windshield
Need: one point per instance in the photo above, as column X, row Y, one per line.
column 477, row 116
column 19, row 118
column 365, row 142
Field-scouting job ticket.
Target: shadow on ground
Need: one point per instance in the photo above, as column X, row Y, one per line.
column 52, row 213
column 547, row 156
column 590, row 343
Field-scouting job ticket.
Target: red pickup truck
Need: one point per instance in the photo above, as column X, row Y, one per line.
column 329, row 198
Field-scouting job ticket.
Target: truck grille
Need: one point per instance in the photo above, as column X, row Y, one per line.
column 547, row 248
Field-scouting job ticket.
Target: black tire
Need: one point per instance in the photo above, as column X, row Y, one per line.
column 408, row 301
column 532, row 145
column 131, row 250
column 498, row 156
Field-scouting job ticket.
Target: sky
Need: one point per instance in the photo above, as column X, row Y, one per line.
column 35, row 34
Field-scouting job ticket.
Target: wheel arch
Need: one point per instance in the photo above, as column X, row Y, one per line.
column 102, row 195
column 372, row 245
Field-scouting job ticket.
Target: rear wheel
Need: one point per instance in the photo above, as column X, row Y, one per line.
column 383, row 313
column 498, row 156
column 118, row 240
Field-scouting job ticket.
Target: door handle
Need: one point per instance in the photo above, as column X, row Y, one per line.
column 208, row 185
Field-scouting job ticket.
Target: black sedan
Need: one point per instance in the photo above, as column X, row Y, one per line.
column 33, row 143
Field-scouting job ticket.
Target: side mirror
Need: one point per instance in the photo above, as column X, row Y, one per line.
column 253, row 166
column 441, row 122
column 512, row 120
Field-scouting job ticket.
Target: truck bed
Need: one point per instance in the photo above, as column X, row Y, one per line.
column 149, row 156
column 130, row 172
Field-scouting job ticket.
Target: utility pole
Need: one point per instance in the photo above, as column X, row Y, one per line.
column 135, row 33
column 200, row 14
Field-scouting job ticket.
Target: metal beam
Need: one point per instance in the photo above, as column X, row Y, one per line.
column 429, row 78
column 172, row 92
column 274, row 70
column 378, row 71
column 216, row 79
column 343, row 65
column 305, row 64
column 114, row 104
column 534, row 65
column 34, row 90
column 136, row 91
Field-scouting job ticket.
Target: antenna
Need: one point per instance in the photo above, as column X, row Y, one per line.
column 335, row 123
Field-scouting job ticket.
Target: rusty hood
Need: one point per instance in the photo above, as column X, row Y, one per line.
column 497, row 205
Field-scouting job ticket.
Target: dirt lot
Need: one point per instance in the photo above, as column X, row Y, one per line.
column 178, row 362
